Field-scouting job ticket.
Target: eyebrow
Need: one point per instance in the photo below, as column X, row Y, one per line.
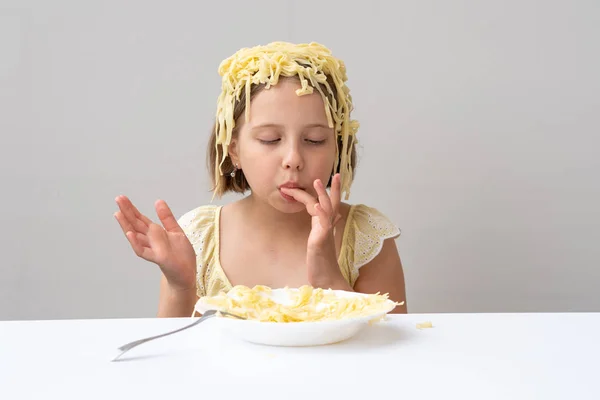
column 269, row 125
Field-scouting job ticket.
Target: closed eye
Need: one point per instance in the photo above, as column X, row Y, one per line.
column 269, row 141
column 315, row 142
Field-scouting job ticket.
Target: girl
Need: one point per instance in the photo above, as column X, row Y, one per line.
column 283, row 134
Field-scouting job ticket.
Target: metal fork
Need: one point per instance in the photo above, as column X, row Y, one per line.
column 208, row 314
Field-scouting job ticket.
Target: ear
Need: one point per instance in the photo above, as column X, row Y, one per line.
column 233, row 151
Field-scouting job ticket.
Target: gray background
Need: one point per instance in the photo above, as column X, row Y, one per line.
column 479, row 139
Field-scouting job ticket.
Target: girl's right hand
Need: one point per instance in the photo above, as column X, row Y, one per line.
column 166, row 245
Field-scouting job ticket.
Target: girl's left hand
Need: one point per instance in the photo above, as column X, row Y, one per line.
column 321, row 258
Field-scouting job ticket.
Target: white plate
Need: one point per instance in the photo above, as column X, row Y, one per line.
column 296, row 333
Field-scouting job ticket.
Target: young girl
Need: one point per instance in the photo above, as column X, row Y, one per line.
column 283, row 134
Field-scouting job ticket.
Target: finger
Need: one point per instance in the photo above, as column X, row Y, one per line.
column 137, row 213
column 159, row 243
column 142, row 240
column 127, row 227
column 144, row 252
column 123, row 222
column 324, row 218
column 337, row 219
column 139, row 221
column 166, row 217
column 335, row 193
column 303, row 197
column 324, row 199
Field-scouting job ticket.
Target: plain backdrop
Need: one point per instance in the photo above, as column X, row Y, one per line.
column 479, row 138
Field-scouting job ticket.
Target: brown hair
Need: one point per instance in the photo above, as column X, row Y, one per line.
column 238, row 183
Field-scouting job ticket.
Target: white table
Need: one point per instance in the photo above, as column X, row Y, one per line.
column 464, row 356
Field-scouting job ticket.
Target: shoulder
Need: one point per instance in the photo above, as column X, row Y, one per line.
column 371, row 220
column 366, row 230
column 198, row 215
column 200, row 223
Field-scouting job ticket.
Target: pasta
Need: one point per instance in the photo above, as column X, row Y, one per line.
column 311, row 63
column 306, row 304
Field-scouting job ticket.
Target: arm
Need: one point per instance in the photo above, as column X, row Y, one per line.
column 384, row 274
column 175, row 303
column 166, row 246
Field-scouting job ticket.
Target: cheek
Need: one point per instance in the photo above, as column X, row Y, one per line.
column 320, row 165
column 257, row 156
column 250, row 154
column 259, row 166
column 328, row 158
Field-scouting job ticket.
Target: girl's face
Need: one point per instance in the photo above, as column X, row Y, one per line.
column 287, row 142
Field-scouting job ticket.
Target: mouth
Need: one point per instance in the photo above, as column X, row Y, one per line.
column 287, row 197
column 290, row 185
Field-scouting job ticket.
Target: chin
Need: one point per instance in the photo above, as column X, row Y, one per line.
column 286, row 206
column 289, row 208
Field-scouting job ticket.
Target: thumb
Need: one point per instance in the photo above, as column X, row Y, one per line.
column 166, row 217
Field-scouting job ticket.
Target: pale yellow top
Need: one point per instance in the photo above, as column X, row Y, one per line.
column 366, row 229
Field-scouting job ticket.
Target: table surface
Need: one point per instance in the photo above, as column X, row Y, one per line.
column 466, row 356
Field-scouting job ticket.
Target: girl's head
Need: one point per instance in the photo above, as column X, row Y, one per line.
column 283, row 116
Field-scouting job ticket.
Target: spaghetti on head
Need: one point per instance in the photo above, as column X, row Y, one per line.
column 315, row 67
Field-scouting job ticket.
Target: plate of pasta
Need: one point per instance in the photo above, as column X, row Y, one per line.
column 303, row 316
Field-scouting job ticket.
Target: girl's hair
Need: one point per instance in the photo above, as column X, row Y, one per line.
column 251, row 70
column 238, row 183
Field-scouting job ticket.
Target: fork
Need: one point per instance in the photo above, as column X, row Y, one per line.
column 208, row 314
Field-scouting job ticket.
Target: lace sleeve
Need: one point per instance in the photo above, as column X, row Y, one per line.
column 369, row 229
column 199, row 226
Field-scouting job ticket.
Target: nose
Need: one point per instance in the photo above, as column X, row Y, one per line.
column 293, row 158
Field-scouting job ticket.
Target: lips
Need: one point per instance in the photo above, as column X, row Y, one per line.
column 290, row 185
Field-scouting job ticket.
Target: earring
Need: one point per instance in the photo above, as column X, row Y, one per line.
column 232, row 174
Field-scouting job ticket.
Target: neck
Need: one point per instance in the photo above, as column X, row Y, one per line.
column 275, row 222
